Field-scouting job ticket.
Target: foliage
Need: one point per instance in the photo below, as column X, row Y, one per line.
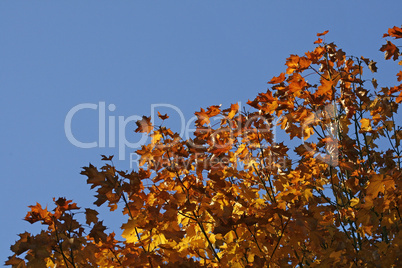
column 232, row 196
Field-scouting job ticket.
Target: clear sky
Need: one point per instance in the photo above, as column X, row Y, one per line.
column 55, row 55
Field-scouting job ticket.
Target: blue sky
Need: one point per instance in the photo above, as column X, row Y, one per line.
column 56, row 54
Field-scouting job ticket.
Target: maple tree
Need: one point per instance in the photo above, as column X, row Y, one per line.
column 232, row 196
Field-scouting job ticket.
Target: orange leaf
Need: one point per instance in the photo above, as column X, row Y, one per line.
column 319, row 41
column 325, row 87
column 323, row 33
column 394, row 32
column 399, row 98
column 399, row 75
column 213, row 110
column 37, row 213
column 277, row 80
column 390, row 51
column 203, row 117
column 233, row 110
column 163, row 117
column 297, row 83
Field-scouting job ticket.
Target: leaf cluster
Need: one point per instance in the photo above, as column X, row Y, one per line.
column 232, row 196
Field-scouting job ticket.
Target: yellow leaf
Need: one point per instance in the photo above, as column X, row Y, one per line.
column 308, row 194
column 156, row 136
column 233, row 110
column 379, row 183
column 129, row 232
column 354, row 201
column 229, row 237
column 365, row 124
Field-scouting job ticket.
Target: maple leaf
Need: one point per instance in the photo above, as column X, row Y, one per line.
column 144, row 125
column 318, row 41
column 326, row 87
column 130, row 231
column 234, row 108
column 202, row 117
column 399, row 75
column 213, row 110
column 374, row 82
column 64, row 204
column 97, row 232
column 21, row 245
column 233, row 197
column 379, row 183
column 91, row 216
column 37, row 213
column 365, row 125
column 15, row 262
column 107, row 158
column 297, row 83
column 395, row 32
column 277, row 80
column 163, row 117
column 323, row 33
column 372, row 66
column 95, row 177
column 390, row 51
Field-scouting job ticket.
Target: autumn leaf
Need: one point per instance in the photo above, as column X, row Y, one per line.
column 129, row 232
column 399, row 75
column 37, row 213
column 395, row 32
column 372, row 66
column 395, row 90
column 378, row 183
column 144, row 125
column 323, row 33
column 297, row 83
column 163, row 117
column 233, row 196
column 390, row 51
column 318, row 41
column 97, row 232
column 202, row 117
column 91, row 216
column 15, row 262
column 277, row 80
column 326, row 87
column 234, row 108
column 365, row 125
column 213, row 110
column 107, row 158
column 374, row 82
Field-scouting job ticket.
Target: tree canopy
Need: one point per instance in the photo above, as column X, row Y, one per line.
column 233, row 196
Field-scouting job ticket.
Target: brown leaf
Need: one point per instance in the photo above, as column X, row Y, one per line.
column 372, row 66
column 97, row 232
column 91, row 216
column 144, row 125
column 107, row 158
column 390, row 51
column 163, row 117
